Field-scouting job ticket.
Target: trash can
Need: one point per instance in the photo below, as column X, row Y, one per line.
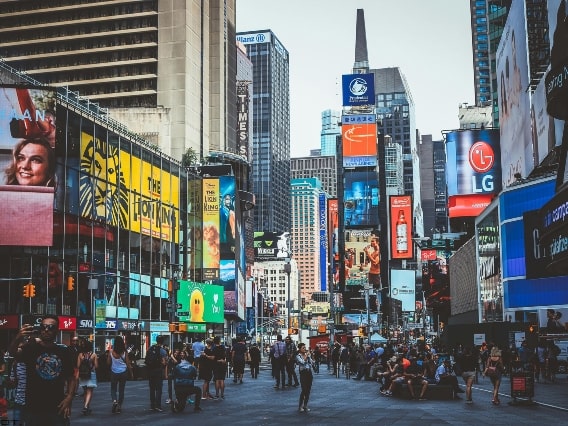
column 522, row 383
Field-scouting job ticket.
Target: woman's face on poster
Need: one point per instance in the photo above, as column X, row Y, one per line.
column 32, row 165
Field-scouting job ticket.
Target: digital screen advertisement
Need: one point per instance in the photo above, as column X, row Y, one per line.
column 201, row 302
column 401, row 227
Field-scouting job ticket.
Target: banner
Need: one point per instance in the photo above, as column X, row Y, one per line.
column 401, row 227
column 358, row 89
column 211, row 235
column 200, row 302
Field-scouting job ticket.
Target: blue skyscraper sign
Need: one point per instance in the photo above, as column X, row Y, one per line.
column 358, row 89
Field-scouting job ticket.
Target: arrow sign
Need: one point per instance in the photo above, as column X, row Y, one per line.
column 178, row 306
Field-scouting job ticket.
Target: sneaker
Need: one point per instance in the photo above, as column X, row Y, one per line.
column 190, row 401
column 301, row 409
column 168, row 401
column 117, row 410
column 114, row 406
column 84, row 411
column 469, row 401
column 276, row 386
column 222, row 397
column 158, row 409
column 296, row 385
column 306, row 409
column 422, row 399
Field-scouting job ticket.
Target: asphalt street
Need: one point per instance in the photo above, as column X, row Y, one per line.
column 334, row 401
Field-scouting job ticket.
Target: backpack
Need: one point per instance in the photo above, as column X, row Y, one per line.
column 153, row 357
column 85, row 367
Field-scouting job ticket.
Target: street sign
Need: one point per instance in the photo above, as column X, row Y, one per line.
column 182, row 314
column 330, row 321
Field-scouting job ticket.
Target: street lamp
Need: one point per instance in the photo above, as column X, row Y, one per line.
column 288, row 270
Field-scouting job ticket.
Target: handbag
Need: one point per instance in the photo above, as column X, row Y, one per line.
column 491, row 371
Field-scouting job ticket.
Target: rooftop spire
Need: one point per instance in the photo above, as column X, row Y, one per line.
column 361, row 64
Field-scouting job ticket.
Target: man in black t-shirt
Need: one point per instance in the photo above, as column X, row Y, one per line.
column 51, row 381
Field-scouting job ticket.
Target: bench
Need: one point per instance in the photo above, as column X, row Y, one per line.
column 439, row 392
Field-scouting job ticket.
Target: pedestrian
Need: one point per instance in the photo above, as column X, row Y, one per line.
column 120, row 368
column 50, row 370
column 219, row 367
column 156, row 360
column 173, row 360
column 494, row 371
column 279, row 366
column 206, row 368
column 87, row 364
column 305, row 366
column 198, row 347
column 254, row 355
column 291, row 353
column 238, row 355
column 317, row 359
column 184, row 375
column 444, row 376
column 468, row 364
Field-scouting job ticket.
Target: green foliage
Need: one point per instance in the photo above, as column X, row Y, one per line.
column 189, row 158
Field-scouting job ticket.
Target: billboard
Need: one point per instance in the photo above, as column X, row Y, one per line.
column 271, row 246
column 403, row 288
column 357, row 264
column 210, row 232
column 359, row 140
column 125, row 191
column 243, row 119
column 27, row 155
column 358, row 89
column 323, row 241
column 361, row 198
column 513, row 98
column 474, row 162
column 201, row 302
column 401, row 227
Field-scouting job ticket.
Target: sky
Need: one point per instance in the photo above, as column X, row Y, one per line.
column 429, row 40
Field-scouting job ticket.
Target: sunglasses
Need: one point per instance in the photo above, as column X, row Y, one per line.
column 48, row 327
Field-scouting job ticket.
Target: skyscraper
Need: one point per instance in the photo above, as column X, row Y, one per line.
column 488, row 19
column 166, row 70
column 329, row 131
column 323, row 167
column 271, row 129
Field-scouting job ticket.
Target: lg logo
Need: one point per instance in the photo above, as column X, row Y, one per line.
column 481, row 157
column 481, row 160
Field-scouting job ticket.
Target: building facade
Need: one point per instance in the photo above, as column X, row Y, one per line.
column 330, row 130
column 109, row 52
column 271, row 129
column 324, row 168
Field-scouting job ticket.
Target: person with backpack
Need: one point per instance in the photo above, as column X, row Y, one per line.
column 279, row 366
column 119, row 370
column 87, row 364
column 156, row 359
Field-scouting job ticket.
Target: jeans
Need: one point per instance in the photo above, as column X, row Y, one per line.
column 280, row 370
column 156, row 380
column 306, row 379
column 182, row 392
column 290, row 369
column 117, row 380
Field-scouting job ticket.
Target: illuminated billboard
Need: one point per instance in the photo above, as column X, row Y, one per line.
column 323, row 241
column 210, row 231
column 271, row 246
column 357, row 263
column 474, row 162
column 361, row 198
column 125, row 191
column 513, row 96
column 27, row 158
column 200, row 303
column 403, row 288
column 358, row 89
column 359, row 140
column 243, row 119
column 401, row 226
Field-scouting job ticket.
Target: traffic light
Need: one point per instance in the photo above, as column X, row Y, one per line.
column 26, row 290
column 170, row 286
column 182, row 327
column 31, row 290
column 70, row 283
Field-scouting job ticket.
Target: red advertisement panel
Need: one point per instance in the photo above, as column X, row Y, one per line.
column 359, row 139
column 8, row 322
column 401, row 226
column 468, row 205
column 67, row 323
column 429, row 254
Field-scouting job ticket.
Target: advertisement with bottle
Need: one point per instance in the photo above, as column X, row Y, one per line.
column 401, row 226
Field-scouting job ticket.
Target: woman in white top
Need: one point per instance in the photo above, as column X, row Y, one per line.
column 120, row 368
column 305, row 365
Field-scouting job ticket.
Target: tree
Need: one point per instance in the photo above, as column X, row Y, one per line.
column 189, row 158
